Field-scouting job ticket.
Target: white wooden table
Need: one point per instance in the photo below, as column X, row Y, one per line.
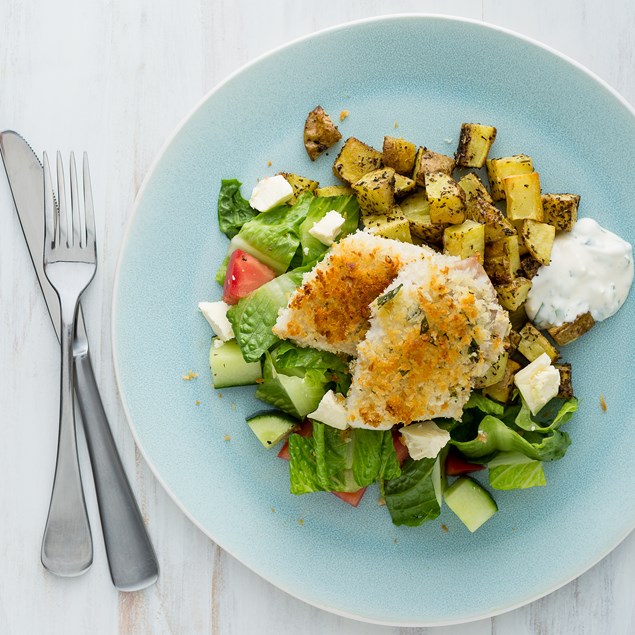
column 115, row 77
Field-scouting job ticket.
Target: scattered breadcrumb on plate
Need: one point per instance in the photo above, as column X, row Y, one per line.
column 189, row 376
column 227, row 438
column 343, row 115
column 602, row 403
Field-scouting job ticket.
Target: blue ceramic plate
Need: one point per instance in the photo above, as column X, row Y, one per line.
column 424, row 76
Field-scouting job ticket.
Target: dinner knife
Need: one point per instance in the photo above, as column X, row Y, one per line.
column 131, row 557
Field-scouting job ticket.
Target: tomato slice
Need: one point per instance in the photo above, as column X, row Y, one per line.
column 400, row 448
column 352, row 498
column 455, row 465
column 244, row 275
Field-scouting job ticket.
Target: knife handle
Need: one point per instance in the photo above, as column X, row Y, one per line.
column 131, row 558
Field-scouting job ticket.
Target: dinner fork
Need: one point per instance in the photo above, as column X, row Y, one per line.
column 70, row 261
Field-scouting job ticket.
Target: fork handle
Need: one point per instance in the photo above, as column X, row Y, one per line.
column 131, row 558
column 67, row 547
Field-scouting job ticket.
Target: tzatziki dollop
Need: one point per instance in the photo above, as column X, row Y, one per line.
column 591, row 270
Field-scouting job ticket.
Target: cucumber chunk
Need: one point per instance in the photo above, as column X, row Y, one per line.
column 229, row 368
column 271, row 426
column 470, row 502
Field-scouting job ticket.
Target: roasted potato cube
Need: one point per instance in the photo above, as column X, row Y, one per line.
column 334, row 190
column 427, row 162
column 503, row 390
column 394, row 225
column 571, row 331
column 375, row 191
column 417, row 210
column 399, row 155
column 513, row 340
column 533, row 344
column 566, row 387
column 320, row 133
column 518, row 318
column 299, row 184
column 465, row 240
column 523, row 197
column 501, row 260
column 529, row 266
column 475, row 142
column 496, row 225
column 495, row 373
column 513, row 294
column 498, row 169
column 538, row 238
column 446, row 198
column 403, row 185
column 474, row 188
column 560, row 210
column 356, row 159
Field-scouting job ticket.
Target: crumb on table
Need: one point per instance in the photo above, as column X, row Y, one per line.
column 396, row 124
column 343, row 115
column 189, row 376
column 269, row 164
column 602, row 403
column 445, row 528
column 301, row 521
column 227, row 438
column 197, row 403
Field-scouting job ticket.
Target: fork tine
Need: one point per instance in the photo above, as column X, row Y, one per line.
column 88, row 205
column 63, row 220
column 78, row 229
column 50, row 229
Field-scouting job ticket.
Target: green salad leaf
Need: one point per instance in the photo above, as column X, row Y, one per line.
column 253, row 317
column 484, row 404
column 411, row 498
column 495, row 436
column 333, row 460
column 512, row 470
column 347, row 206
column 233, row 210
column 274, row 236
column 525, row 421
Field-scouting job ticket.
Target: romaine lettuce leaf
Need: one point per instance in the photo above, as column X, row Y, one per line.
column 274, row 236
column 512, row 470
column 411, row 498
column 347, row 206
column 340, row 460
column 254, row 316
column 484, row 404
column 494, row 436
column 525, row 421
column 233, row 210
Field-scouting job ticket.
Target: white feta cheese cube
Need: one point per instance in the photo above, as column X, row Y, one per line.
column 424, row 439
column 270, row 192
column 538, row 383
column 216, row 315
column 327, row 229
column 332, row 411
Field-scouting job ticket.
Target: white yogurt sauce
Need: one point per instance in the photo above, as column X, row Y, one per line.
column 591, row 270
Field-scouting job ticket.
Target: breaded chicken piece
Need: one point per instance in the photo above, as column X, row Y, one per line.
column 330, row 310
column 435, row 329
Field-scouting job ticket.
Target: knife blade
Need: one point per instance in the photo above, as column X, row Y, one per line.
column 131, row 557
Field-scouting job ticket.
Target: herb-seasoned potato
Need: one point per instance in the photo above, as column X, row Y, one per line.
column 375, row 191
column 334, row 190
column 498, row 169
column 474, row 188
column 538, row 238
column 356, row 159
column 399, row 155
column 320, row 133
column 299, row 184
column 503, row 390
column 427, row 162
column 403, row 185
column 561, row 210
column 566, row 387
column 495, row 373
column 465, row 240
column 533, row 344
column 518, row 318
column 417, row 210
column 512, row 294
column 394, row 225
column 475, row 142
column 496, row 225
column 529, row 266
column 446, row 198
column 571, row 331
column 501, row 260
column 523, row 196
column 513, row 341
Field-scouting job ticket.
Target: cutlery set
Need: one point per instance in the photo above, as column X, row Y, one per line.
column 60, row 235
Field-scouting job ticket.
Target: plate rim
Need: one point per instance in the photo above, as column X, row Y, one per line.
column 116, row 284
